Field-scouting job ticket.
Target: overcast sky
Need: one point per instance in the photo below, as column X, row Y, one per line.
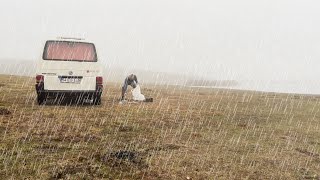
column 229, row 39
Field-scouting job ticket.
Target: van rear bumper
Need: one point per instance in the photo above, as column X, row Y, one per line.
column 41, row 90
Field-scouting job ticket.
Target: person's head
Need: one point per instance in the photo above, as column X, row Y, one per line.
column 131, row 76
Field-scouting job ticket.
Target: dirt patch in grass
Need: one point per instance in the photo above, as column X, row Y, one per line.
column 130, row 155
column 51, row 148
column 166, row 147
column 126, row 128
column 125, row 159
column 303, row 151
column 75, row 138
column 307, row 174
column 4, row 111
column 242, row 125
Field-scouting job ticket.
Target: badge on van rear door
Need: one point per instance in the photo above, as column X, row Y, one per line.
column 70, row 73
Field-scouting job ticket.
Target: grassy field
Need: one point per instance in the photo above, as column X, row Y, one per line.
column 187, row 133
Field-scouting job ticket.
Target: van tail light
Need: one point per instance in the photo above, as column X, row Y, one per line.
column 39, row 78
column 99, row 80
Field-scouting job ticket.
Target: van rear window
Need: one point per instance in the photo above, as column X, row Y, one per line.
column 69, row 51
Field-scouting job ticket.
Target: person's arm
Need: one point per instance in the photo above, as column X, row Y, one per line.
column 136, row 79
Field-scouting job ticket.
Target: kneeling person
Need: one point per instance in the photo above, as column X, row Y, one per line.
column 130, row 80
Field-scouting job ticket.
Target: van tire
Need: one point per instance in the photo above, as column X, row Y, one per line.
column 41, row 98
column 97, row 100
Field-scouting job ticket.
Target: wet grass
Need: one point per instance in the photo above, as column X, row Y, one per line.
column 185, row 132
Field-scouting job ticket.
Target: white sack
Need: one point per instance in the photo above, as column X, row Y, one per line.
column 136, row 93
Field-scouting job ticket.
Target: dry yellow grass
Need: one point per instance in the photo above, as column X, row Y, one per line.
column 186, row 133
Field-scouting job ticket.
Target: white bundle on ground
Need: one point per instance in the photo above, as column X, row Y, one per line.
column 136, row 93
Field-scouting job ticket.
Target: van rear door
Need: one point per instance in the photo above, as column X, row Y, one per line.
column 69, row 66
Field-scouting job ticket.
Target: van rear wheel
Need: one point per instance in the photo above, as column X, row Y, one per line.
column 41, row 98
column 97, row 100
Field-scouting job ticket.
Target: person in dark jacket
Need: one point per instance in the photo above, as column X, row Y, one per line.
column 130, row 80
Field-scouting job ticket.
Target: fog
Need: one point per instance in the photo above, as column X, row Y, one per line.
column 256, row 40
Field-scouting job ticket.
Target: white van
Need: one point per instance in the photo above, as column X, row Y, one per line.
column 69, row 67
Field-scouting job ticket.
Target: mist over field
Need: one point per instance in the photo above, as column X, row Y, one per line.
column 260, row 41
column 114, row 73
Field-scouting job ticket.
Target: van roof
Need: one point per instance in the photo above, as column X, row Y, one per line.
column 71, row 38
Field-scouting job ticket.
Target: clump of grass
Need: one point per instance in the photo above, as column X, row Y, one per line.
column 4, row 111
